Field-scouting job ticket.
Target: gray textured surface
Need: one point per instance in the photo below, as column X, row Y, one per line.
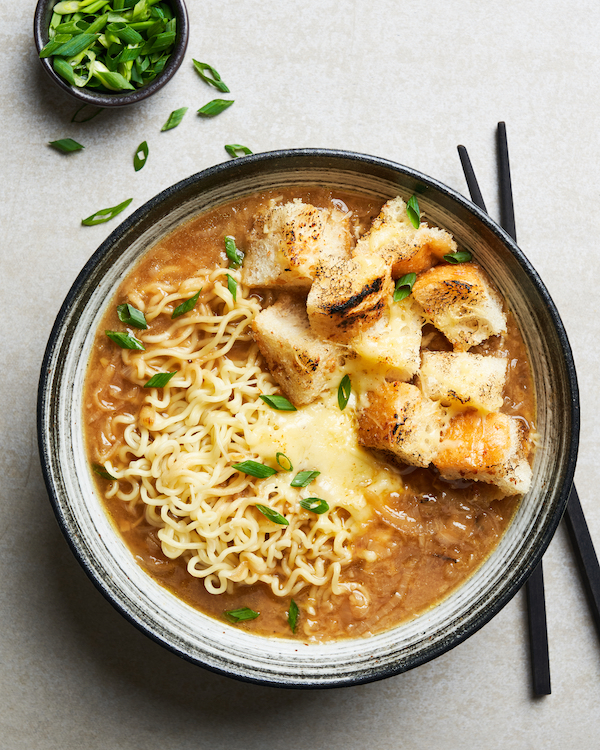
column 407, row 82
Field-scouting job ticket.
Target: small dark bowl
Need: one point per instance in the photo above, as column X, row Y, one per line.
column 41, row 23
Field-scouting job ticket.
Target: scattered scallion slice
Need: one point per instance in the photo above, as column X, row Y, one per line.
column 131, row 316
column 232, row 286
column 174, row 118
column 241, row 614
column 213, row 78
column 66, row 145
column 280, row 403
column 272, row 515
column 186, row 306
column 105, row 214
column 254, row 469
column 315, row 505
column 101, row 471
column 160, row 379
column 304, row 478
column 235, row 256
column 404, row 286
column 293, row 615
column 461, row 256
column 235, row 150
column 344, row 390
column 214, row 108
column 141, row 154
column 413, row 211
column 125, row 340
column 95, row 112
column 283, row 461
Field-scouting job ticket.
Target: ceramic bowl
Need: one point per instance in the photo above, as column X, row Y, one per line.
column 41, row 22
column 216, row 645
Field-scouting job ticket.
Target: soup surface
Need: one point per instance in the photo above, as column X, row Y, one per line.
column 394, row 539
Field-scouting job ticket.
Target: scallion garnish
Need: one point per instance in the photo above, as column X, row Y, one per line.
column 413, row 211
column 174, row 118
column 186, row 306
column 105, row 214
column 404, row 286
column 315, row 505
column 141, row 154
column 66, row 145
column 293, row 615
column 160, row 379
column 235, row 150
column 304, row 478
column 232, row 286
column 254, row 469
column 272, row 515
column 235, row 256
column 344, row 390
column 284, row 462
column 95, row 111
column 213, row 79
column 125, row 340
column 280, row 403
column 239, row 615
column 101, row 471
column 462, row 256
column 131, row 316
column 215, row 107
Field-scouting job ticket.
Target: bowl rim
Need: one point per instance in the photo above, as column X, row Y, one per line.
column 112, row 101
column 243, row 166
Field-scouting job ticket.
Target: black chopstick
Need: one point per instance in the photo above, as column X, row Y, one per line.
column 536, row 602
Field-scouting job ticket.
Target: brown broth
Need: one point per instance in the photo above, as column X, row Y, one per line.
column 427, row 539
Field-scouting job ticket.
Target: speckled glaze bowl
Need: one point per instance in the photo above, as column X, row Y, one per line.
column 41, row 22
column 216, row 645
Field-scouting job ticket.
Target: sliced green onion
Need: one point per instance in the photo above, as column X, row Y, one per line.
column 141, row 154
column 404, row 286
column 75, row 46
column 315, row 505
column 304, row 478
column 272, row 515
column 174, row 118
column 344, row 390
column 214, row 79
column 112, row 81
column 293, row 615
column 280, row 403
column 235, row 150
column 235, row 256
column 186, row 306
column 105, row 214
column 75, row 117
column 239, row 615
column 160, row 379
column 101, row 471
column 125, row 340
column 215, row 107
column 287, row 464
column 232, row 286
column 254, row 469
column 413, row 211
column 462, row 256
column 66, row 145
column 131, row 316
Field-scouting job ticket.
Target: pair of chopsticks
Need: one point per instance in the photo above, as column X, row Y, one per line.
column 581, row 540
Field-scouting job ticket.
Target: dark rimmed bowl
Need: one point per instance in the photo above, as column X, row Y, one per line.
column 223, row 648
column 41, row 23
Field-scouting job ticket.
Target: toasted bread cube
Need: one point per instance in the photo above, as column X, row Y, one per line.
column 407, row 249
column 397, row 418
column 393, row 343
column 300, row 362
column 462, row 303
column 348, row 296
column 473, row 381
column 487, row 448
column 289, row 241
